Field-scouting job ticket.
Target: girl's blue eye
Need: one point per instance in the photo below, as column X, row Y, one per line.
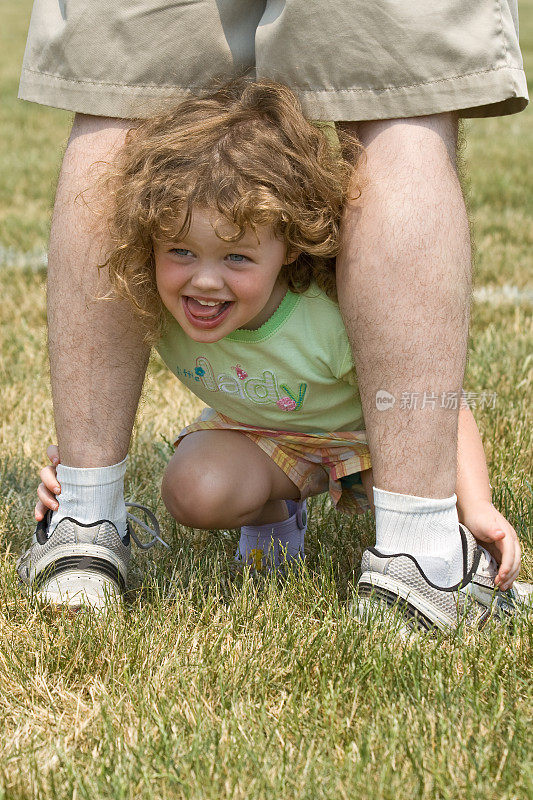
column 181, row 251
column 236, row 258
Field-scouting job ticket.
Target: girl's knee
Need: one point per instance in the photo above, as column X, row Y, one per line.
column 179, row 490
column 196, row 495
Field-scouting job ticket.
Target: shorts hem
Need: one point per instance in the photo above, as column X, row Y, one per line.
column 98, row 99
column 495, row 92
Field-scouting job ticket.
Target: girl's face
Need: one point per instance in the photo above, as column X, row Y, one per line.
column 212, row 287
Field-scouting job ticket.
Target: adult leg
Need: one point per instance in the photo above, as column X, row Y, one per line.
column 367, row 479
column 221, row 479
column 97, row 355
column 404, row 287
column 98, row 359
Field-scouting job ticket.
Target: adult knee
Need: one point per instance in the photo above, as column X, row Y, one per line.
column 408, row 142
column 91, row 132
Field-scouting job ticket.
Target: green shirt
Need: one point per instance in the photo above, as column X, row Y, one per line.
column 294, row 373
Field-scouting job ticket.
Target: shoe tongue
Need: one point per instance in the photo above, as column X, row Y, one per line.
column 488, row 568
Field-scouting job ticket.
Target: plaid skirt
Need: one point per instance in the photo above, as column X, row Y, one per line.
column 315, row 462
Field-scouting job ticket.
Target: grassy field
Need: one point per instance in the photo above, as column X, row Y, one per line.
column 209, row 687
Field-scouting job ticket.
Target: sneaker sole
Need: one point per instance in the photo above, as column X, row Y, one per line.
column 392, row 592
column 79, row 575
column 82, row 557
column 77, row 590
column 367, row 610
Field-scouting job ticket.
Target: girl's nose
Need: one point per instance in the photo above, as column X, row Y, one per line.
column 207, row 277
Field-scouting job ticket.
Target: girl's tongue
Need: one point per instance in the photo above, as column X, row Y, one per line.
column 205, row 317
column 203, row 311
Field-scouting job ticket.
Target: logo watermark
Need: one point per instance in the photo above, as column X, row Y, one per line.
column 384, row 400
column 409, row 401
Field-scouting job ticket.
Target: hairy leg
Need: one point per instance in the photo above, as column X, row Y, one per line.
column 404, row 282
column 97, row 354
column 221, row 479
column 367, row 479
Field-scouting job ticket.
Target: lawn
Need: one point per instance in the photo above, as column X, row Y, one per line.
column 210, row 686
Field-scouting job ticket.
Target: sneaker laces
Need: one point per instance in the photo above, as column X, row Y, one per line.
column 155, row 531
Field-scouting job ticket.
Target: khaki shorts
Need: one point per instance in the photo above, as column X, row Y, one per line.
column 346, row 59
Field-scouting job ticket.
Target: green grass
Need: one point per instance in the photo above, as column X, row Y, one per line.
column 209, row 687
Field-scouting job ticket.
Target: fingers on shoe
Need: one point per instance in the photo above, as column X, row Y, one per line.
column 49, row 479
column 514, row 562
column 47, row 498
column 40, row 511
column 510, row 566
column 515, row 571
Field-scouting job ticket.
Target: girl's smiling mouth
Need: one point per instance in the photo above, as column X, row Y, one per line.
column 205, row 314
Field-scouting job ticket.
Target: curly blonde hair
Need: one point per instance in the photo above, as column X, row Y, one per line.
column 245, row 150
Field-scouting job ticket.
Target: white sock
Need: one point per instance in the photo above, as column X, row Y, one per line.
column 424, row 527
column 92, row 494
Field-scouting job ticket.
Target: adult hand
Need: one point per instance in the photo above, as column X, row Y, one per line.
column 49, row 487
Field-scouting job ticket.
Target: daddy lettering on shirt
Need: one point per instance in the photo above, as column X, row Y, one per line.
column 261, row 390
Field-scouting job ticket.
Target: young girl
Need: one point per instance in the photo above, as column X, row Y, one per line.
column 225, row 220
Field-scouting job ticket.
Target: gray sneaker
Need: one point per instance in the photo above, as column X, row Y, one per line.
column 82, row 565
column 398, row 581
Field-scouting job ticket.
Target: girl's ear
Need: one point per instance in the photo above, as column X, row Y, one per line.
column 291, row 256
